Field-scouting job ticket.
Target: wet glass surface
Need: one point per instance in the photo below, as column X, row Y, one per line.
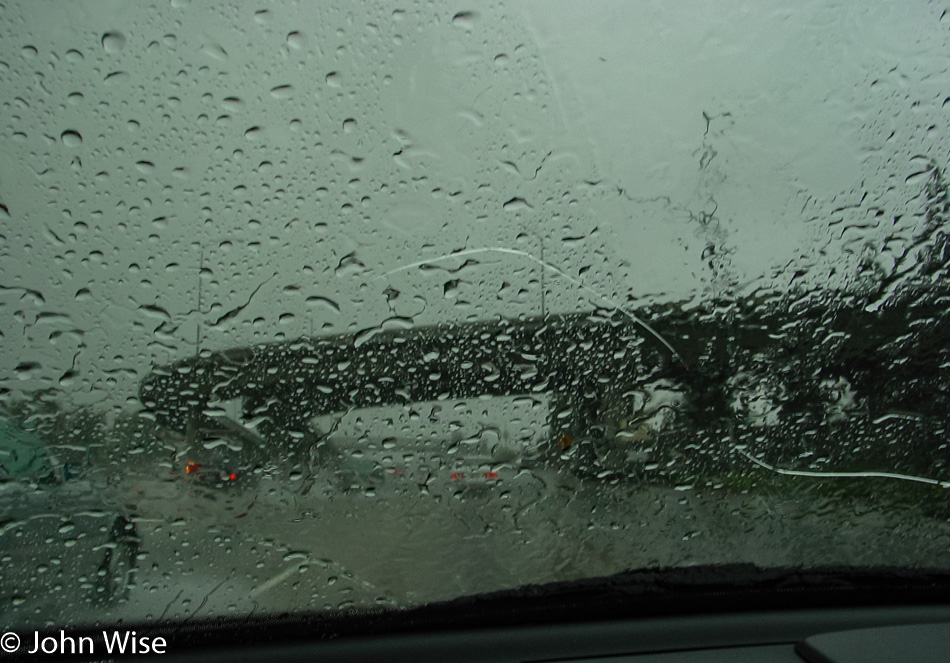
column 315, row 307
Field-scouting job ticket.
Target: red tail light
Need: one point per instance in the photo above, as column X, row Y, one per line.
column 192, row 467
column 565, row 441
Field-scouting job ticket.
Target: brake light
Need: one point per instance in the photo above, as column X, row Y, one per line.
column 192, row 467
column 232, row 477
column 491, row 475
column 458, row 475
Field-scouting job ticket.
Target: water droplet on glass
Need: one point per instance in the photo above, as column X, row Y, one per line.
column 232, row 104
column 253, row 133
column 71, row 138
column 323, row 301
column 281, row 91
column 465, row 20
column 295, row 40
column 145, row 166
column 116, row 78
column 516, row 205
column 113, row 42
column 215, row 51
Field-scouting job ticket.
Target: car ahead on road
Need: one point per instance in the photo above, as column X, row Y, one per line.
column 405, row 468
column 62, row 547
column 222, row 455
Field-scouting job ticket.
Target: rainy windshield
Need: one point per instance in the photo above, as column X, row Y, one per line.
column 321, row 307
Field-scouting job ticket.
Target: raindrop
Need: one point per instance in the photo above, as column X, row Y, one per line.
column 349, row 125
column 253, row 133
column 364, row 336
column 516, row 204
column 145, row 166
column 73, row 56
column 215, row 51
column 918, row 178
column 281, row 91
column 333, row 79
column 493, row 372
column 29, row 52
column 295, row 40
column 75, row 98
column 25, row 368
column 71, row 138
column 451, row 289
column 323, row 301
column 116, row 77
column 156, row 312
column 50, row 317
column 464, row 20
column 232, row 104
column 113, row 42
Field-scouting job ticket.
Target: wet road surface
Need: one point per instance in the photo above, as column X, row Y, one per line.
column 272, row 548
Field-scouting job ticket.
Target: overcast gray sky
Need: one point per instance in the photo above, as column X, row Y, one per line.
column 301, row 153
